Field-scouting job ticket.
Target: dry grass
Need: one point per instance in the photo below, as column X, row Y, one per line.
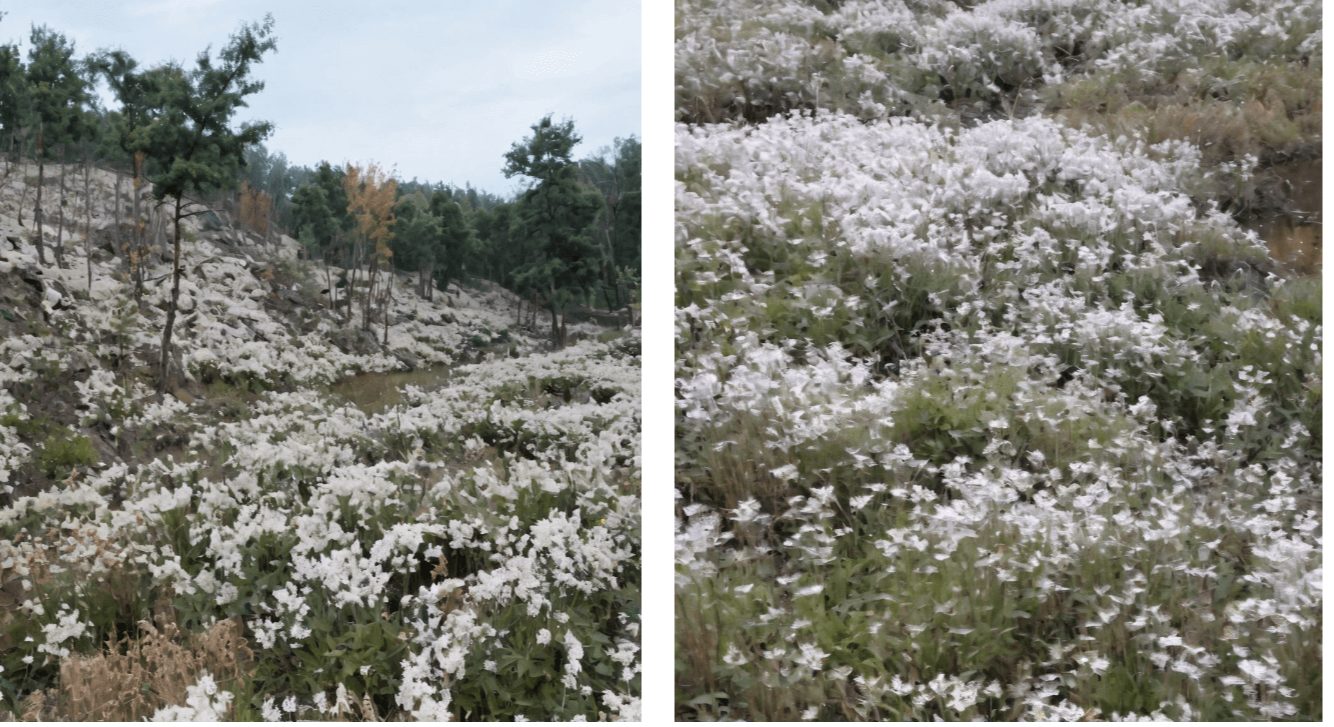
column 132, row 679
column 1229, row 109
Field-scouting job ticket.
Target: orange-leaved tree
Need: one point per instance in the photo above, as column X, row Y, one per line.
column 370, row 199
column 256, row 209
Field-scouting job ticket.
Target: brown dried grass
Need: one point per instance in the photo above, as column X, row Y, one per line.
column 132, row 679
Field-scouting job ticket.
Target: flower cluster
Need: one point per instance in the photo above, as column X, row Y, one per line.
column 384, row 562
column 748, row 59
column 1001, row 420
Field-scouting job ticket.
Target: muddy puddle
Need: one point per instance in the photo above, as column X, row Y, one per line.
column 375, row 393
column 1294, row 239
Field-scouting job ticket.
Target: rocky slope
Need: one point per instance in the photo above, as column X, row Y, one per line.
column 253, row 495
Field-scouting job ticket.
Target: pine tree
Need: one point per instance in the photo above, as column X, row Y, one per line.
column 58, row 94
column 615, row 173
column 557, row 212
column 456, row 239
column 190, row 143
column 417, row 241
column 13, row 102
column 134, row 90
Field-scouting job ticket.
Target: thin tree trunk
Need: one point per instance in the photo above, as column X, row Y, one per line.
column 137, row 253
column 328, row 279
column 610, row 270
column 9, row 166
column 60, row 225
column 551, row 306
column 354, row 271
column 116, row 217
column 88, row 214
column 165, row 368
column 389, row 296
column 23, row 198
column 370, row 291
column 37, row 210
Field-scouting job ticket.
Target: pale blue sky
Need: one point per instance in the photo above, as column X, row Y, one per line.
column 442, row 89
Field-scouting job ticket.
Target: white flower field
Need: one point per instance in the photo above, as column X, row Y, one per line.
column 982, row 414
column 270, row 550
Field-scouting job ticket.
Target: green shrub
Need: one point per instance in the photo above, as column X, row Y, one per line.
column 61, row 453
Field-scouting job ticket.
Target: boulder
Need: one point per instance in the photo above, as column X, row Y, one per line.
column 412, row 362
column 55, row 294
column 32, row 275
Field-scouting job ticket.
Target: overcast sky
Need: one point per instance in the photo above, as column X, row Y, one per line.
column 441, row 88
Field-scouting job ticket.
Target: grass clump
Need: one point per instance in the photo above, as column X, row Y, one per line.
column 60, row 453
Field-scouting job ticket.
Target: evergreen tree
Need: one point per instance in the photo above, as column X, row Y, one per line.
column 417, row 241
column 320, row 204
column 557, row 212
column 500, row 246
column 455, row 241
column 127, row 130
column 190, row 144
column 13, row 103
column 58, row 93
column 615, row 173
column 13, row 92
column 311, row 214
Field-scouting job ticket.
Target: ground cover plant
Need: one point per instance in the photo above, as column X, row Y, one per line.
column 989, row 412
column 255, row 546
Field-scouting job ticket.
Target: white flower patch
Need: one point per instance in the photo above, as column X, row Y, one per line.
column 204, row 702
column 997, row 323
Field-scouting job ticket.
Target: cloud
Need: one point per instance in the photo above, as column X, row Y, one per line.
column 551, row 64
column 172, row 8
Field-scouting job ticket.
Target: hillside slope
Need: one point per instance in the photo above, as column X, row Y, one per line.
column 424, row 544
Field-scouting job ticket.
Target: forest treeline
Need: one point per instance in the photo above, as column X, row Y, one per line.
column 569, row 238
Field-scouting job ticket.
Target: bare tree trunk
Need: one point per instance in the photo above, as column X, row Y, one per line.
column 164, row 369
column 137, row 253
column 60, row 225
column 551, row 306
column 116, row 217
column 388, row 296
column 354, row 268
column 328, row 280
column 37, row 210
column 370, row 292
column 23, row 198
column 611, row 270
column 88, row 214
column 9, row 169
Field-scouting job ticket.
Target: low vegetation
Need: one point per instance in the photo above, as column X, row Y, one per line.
column 987, row 410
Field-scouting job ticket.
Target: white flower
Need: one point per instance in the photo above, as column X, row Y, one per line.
column 734, row 656
column 811, row 657
column 270, row 712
